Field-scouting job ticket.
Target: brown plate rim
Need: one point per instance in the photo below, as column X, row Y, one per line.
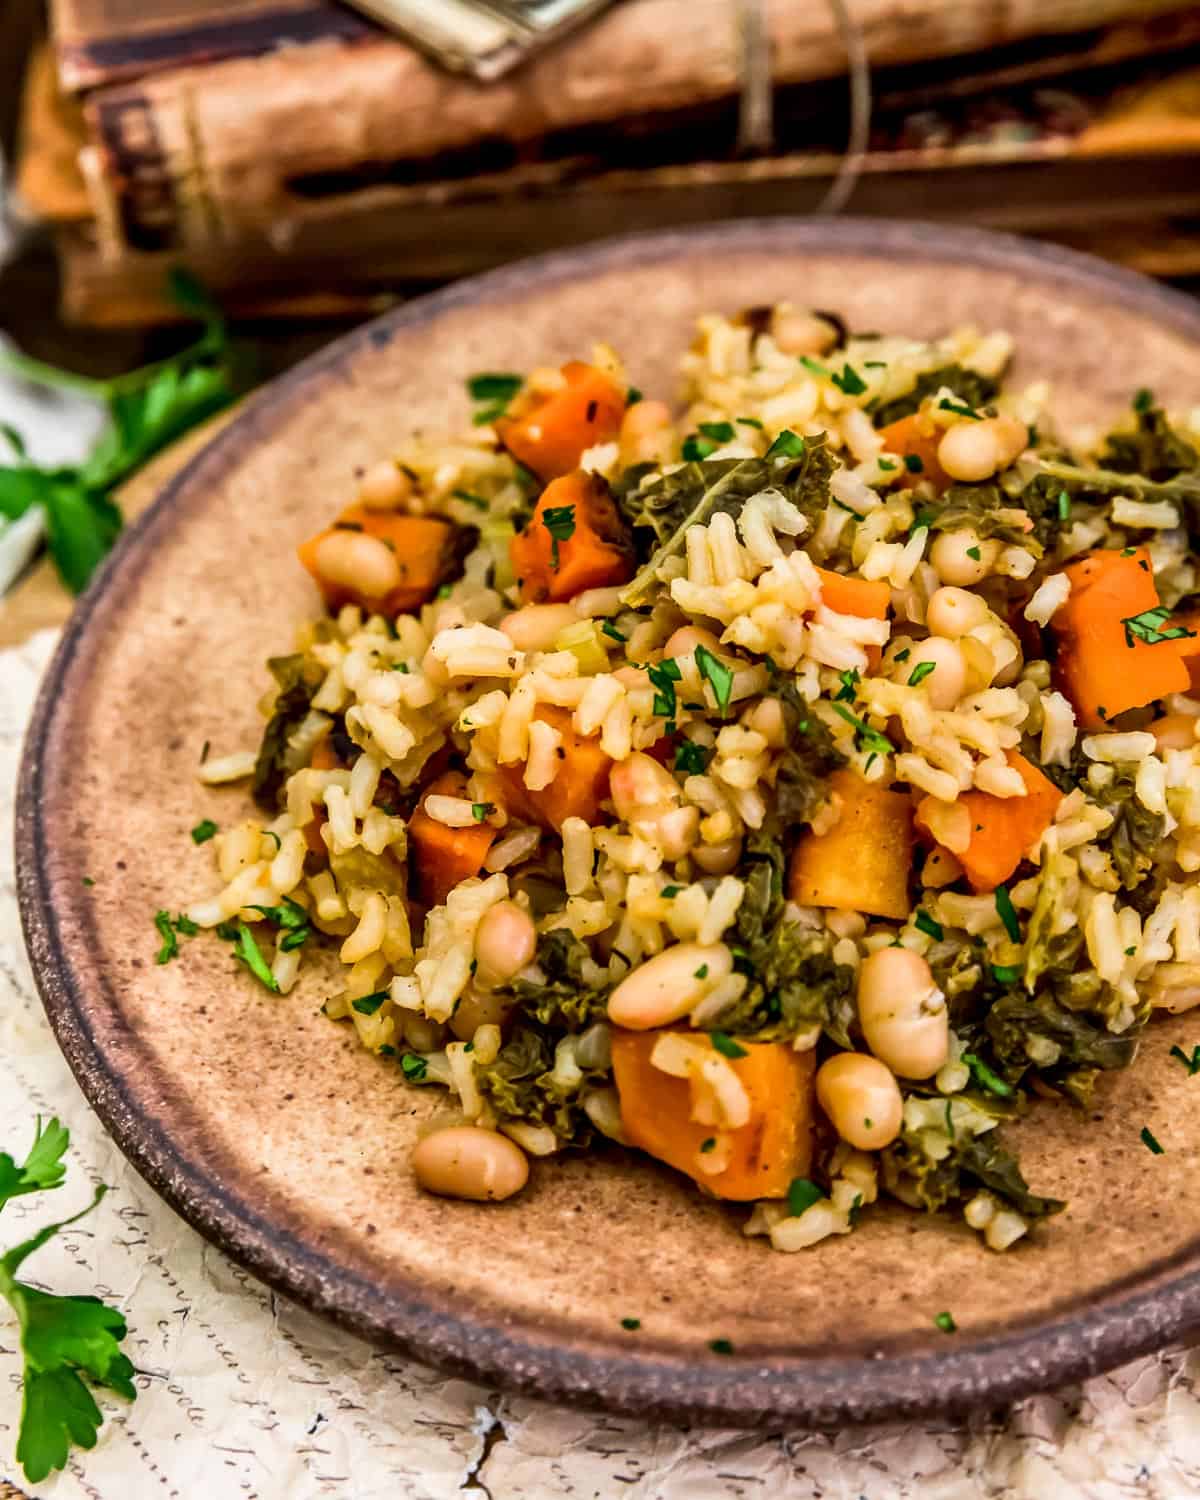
column 969, row 1371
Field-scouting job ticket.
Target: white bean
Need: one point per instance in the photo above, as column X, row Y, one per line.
column 946, row 683
column 647, row 434
column 505, row 941
column 903, row 1013
column 465, row 1161
column 684, row 641
column 352, row 560
column 669, row 985
column 972, row 451
column 798, row 331
column 953, row 611
column 384, row 486
column 639, row 783
column 719, row 858
column 536, row 627
column 862, row 1100
column 961, row 558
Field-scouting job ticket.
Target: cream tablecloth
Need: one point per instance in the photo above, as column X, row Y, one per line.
column 244, row 1396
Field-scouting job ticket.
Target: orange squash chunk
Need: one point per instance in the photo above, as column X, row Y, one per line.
column 578, row 789
column 774, row 1146
column 443, row 856
column 918, row 436
column 1100, row 667
column 424, row 547
column 574, row 541
column 1002, row 828
column 551, row 435
column 863, row 862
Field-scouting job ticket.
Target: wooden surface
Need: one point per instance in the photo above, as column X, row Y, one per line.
column 40, row 600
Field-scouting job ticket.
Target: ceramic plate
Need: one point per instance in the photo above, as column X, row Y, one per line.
column 269, row 1129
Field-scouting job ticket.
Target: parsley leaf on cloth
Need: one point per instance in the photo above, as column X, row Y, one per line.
column 148, row 408
column 61, row 1338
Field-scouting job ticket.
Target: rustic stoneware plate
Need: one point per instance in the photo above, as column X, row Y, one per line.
column 274, row 1134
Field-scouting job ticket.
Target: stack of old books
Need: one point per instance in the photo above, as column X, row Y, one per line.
column 298, row 156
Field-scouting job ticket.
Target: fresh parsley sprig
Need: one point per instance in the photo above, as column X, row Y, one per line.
column 148, row 408
column 62, row 1338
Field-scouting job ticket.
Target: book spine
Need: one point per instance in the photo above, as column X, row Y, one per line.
column 199, row 157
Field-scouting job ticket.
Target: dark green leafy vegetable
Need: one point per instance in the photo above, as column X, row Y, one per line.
column 492, row 392
column 945, row 1321
column 801, row 1195
column 1135, row 835
column 562, row 997
column 148, row 408
column 988, row 511
column 1153, row 448
column 928, row 1170
column 805, row 765
column 659, row 513
column 298, row 679
column 203, row 831
column 1150, row 1142
column 61, row 1338
column 726, row 1045
column 973, row 390
column 520, row 1085
column 249, row 953
column 170, row 943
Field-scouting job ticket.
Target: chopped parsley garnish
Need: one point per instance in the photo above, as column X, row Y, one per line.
column 801, row 1195
column 984, row 1076
column 170, row 943
column 721, row 1346
column 1064, row 506
column 88, row 881
column 691, row 758
column 814, row 366
column 868, row 738
column 559, row 521
column 750, row 422
column 849, row 680
column 367, row 1005
column 725, row 1044
column 289, row 914
column 611, row 631
column 664, row 675
column 482, row 811
column 632, row 396
column 413, row 1067
column 921, row 522
column 1143, row 400
column 631, row 1325
column 696, row 448
column 248, row 952
column 720, row 677
column 913, row 463
column 904, row 655
column 669, row 892
column 959, row 409
column 203, row 831
column 920, row 672
column 708, row 1144
column 1008, row 914
column 923, row 922
column 1148, row 627
column 1192, row 1064
column 186, row 926
column 974, row 554
column 945, row 1321
column 1150, row 1143
column 788, row 444
column 493, row 392
column 885, row 464
column 849, row 509
column 471, row 499
column 1006, row 973
column 701, row 972
column 719, row 432
column 850, row 382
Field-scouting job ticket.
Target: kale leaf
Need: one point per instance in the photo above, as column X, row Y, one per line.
column 1136, row 833
column 298, row 680
column 969, row 386
column 809, row 759
column 520, row 1085
column 660, row 513
column 926, row 1170
column 563, row 998
column 989, row 511
column 1153, row 448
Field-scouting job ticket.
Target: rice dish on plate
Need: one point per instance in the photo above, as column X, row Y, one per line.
column 796, row 788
